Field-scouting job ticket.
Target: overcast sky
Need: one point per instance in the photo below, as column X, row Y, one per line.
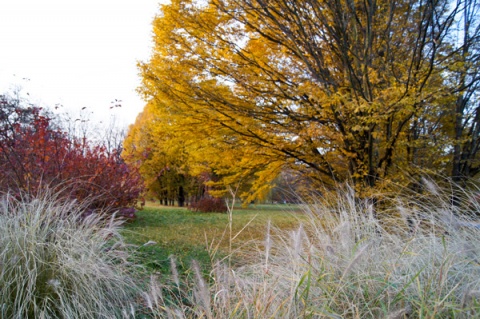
column 77, row 53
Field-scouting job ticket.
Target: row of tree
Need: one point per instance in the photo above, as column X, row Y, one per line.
column 163, row 161
column 372, row 91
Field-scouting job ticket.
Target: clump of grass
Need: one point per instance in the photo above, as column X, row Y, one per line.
column 350, row 261
column 54, row 263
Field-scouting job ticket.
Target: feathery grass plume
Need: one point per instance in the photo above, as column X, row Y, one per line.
column 223, row 283
column 268, row 245
column 155, row 297
column 201, row 291
column 174, row 270
column 56, row 264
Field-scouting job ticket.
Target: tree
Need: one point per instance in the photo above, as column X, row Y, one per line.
column 162, row 160
column 464, row 69
column 291, row 187
column 177, row 157
column 335, row 90
column 35, row 153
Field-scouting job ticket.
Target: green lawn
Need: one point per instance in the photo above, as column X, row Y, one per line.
column 189, row 235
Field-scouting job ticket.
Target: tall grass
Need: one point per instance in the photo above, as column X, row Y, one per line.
column 56, row 264
column 419, row 259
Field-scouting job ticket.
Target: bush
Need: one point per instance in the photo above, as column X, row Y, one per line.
column 418, row 260
column 35, row 153
column 56, row 264
column 209, row 205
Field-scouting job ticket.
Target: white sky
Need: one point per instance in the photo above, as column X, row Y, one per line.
column 77, row 53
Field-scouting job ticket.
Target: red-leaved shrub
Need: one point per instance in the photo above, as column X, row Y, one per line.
column 209, row 205
column 35, row 154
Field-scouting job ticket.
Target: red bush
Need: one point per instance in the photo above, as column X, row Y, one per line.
column 35, row 154
column 209, row 205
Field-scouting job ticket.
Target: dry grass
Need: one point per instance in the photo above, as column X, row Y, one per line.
column 346, row 262
column 55, row 264
column 419, row 260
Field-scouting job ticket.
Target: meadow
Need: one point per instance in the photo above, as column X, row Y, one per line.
column 203, row 237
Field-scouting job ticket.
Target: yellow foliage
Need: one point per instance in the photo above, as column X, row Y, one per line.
column 332, row 89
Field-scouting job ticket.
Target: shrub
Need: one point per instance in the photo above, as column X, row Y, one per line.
column 209, row 205
column 418, row 260
column 36, row 153
column 56, row 264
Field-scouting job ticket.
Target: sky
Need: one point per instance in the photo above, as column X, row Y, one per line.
column 78, row 54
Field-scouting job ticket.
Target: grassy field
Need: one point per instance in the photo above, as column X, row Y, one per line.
column 202, row 236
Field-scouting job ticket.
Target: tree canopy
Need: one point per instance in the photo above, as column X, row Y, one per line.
column 368, row 91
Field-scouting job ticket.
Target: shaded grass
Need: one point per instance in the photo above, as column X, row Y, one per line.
column 201, row 236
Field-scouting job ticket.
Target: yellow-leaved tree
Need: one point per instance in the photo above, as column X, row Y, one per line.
column 333, row 89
